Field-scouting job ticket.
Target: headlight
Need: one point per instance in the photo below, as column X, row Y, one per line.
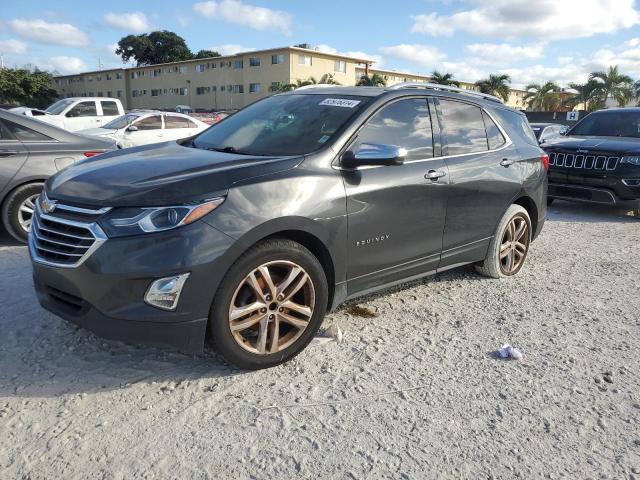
column 134, row 221
column 631, row 160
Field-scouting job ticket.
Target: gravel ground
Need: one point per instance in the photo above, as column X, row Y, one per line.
column 414, row 391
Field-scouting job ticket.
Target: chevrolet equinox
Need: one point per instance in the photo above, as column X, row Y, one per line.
column 250, row 231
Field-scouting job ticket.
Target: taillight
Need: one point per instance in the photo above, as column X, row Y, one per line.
column 92, row 154
column 544, row 158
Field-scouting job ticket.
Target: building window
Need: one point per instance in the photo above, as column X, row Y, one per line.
column 119, row 94
column 254, row 87
column 184, row 91
column 254, row 61
column 277, row 59
column 214, row 88
column 200, row 67
column 238, row 89
column 90, row 78
column 340, row 66
column 98, row 78
column 134, row 93
column 213, row 65
column 156, row 72
column 118, row 76
column 108, row 76
column 238, row 64
column 182, row 69
column 275, row 86
column 304, row 60
column 202, row 90
column 222, row 88
column 155, row 92
column 100, row 94
column 221, row 64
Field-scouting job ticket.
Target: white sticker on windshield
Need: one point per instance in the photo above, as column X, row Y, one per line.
column 339, row 102
column 323, row 138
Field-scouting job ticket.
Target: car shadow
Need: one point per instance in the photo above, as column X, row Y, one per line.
column 7, row 240
column 562, row 211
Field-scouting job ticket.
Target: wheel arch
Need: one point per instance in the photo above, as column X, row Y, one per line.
column 530, row 206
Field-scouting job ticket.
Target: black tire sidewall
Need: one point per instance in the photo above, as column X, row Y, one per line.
column 11, row 206
column 270, row 250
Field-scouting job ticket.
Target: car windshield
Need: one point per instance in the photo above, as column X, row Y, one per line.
column 282, row 125
column 58, row 107
column 120, row 122
column 611, row 123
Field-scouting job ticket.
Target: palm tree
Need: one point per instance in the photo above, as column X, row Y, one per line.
column 374, row 80
column 588, row 96
column 614, row 85
column 299, row 83
column 542, row 98
column 636, row 91
column 497, row 85
column 444, row 79
column 328, row 79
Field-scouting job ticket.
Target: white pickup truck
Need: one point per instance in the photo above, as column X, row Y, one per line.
column 77, row 113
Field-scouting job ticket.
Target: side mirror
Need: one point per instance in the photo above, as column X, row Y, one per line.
column 564, row 131
column 373, row 154
column 132, row 128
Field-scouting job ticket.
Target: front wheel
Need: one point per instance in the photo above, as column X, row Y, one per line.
column 18, row 209
column 509, row 246
column 269, row 305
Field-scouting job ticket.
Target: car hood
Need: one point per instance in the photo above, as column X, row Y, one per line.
column 608, row 144
column 155, row 175
column 97, row 132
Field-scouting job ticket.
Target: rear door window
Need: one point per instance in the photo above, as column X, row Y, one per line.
column 406, row 124
column 464, row 128
column 109, row 108
column 173, row 121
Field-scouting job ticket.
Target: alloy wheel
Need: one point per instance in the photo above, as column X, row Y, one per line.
column 272, row 307
column 514, row 245
column 25, row 212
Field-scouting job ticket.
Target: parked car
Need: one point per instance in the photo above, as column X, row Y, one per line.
column 77, row 113
column 548, row 131
column 184, row 109
column 598, row 160
column 31, row 151
column 145, row 127
column 254, row 228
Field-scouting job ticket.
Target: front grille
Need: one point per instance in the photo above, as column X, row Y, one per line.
column 55, row 239
column 595, row 161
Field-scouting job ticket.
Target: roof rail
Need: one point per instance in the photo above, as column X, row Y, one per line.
column 316, row 85
column 445, row 88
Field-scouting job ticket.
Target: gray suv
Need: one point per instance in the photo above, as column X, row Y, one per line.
column 250, row 231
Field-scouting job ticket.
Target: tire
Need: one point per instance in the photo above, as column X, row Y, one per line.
column 15, row 210
column 495, row 267
column 550, row 200
column 251, row 343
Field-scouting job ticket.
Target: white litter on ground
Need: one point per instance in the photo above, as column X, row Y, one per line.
column 507, row 351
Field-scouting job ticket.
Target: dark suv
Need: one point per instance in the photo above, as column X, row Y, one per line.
column 599, row 160
column 251, row 230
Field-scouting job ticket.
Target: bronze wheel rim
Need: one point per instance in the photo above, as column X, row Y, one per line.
column 272, row 307
column 514, row 245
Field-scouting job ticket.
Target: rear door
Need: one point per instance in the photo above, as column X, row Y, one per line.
column 395, row 214
column 177, row 127
column 109, row 112
column 485, row 178
column 149, row 130
column 12, row 155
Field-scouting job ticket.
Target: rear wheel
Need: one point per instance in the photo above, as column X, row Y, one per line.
column 269, row 305
column 510, row 244
column 18, row 209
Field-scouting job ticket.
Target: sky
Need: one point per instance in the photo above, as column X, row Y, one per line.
column 531, row 40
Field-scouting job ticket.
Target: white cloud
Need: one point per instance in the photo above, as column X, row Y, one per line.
column 504, row 52
column 544, row 19
column 13, row 46
column 231, row 49
column 235, row 11
column 62, row 64
column 135, row 22
column 423, row 55
column 377, row 59
column 49, row 33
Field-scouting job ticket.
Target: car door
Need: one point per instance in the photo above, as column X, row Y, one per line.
column 81, row 116
column 484, row 179
column 147, row 130
column 109, row 111
column 13, row 154
column 395, row 213
column 177, row 127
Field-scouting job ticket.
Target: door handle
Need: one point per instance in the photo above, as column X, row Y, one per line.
column 507, row 161
column 434, row 175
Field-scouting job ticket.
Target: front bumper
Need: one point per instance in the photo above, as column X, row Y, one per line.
column 105, row 293
column 591, row 194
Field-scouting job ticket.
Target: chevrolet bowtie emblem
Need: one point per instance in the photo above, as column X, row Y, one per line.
column 47, row 205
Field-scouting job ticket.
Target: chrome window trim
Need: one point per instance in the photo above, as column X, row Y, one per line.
column 94, row 228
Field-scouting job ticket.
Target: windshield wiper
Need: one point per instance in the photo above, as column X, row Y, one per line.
column 236, row 151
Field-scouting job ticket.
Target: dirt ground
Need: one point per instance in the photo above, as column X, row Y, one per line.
column 415, row 391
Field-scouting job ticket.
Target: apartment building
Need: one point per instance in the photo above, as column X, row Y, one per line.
column 226, row 82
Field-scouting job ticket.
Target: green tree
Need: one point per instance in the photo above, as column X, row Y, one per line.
column 375, row 80
column 443, row 79
column 588, row 97
column 636, row 91
column 22, row 86
column 328, row 79
column 614, row 85
column 497, row 85
column 207, row 54
column 542, row 98
column 151, row 48
column 287, row 87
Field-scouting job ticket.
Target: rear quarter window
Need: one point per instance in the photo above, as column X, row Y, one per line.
column 516, row 125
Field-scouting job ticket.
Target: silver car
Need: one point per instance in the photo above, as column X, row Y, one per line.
column 30, row 152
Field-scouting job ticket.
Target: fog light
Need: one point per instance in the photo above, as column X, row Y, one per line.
column 165, row 292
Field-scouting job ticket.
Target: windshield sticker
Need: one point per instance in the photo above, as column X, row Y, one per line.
column 339, row 102
column 323, row 139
